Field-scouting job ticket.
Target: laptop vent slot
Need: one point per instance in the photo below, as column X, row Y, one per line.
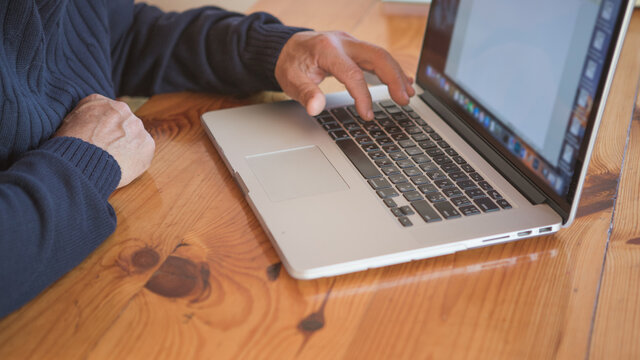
column 494, row 239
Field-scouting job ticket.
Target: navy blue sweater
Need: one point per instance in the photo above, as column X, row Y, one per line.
column 54, row 191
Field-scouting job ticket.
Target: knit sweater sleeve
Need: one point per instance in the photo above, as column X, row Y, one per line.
column 205, row 49
column 53, row 213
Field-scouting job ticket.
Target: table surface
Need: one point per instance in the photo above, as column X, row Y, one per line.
column 189, row 273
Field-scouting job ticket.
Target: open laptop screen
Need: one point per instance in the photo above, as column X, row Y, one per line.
column 526, row 74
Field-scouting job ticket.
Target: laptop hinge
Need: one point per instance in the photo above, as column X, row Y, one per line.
column 491, row 154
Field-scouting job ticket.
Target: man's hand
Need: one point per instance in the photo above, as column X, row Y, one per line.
column 111, row 125
column 308, row 57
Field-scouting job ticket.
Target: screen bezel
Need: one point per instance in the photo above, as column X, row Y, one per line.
column 565, row 202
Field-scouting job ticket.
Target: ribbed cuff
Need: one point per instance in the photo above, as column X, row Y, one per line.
column 264, row 44
column 97, row 165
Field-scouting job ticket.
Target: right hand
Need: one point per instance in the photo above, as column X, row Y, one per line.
column 111, row 126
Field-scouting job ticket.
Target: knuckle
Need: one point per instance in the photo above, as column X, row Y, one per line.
column 120, row 107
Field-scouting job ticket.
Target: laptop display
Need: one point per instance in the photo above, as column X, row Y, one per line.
column 526, row 75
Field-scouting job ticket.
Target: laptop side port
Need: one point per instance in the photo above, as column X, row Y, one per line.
column 524, row 233
column 545, row 230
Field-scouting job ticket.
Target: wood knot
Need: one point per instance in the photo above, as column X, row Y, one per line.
column 635, row 241
column 273, row 271
column 145, row 259
column 176, row 277
column 312, row 323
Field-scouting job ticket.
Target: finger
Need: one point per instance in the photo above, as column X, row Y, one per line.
column 306, row 92
column 351, row 75
column 378, row 60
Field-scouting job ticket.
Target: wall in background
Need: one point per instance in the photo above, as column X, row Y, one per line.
column 180, row 5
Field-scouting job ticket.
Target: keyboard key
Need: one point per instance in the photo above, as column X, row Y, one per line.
column 434, row 152
column 446, row 210
column 485, row 185
column 387, row 193
column 399, row 136
column 376, row 155
column 371, row 126
column 460, row 200
column 429, row 167
column 377, row 134
column 370, row 147
column 393, row 129
column 393, row 110
column 442, row 159
column 417, row 118
column 412, row 196
column 358, row 159
column 387, row 103
column 405, row 187
column 380, row 116
column 391, row 148
column 450, row 152
column 436, row 175
column 390, row 170
column 339, row 134
column 400, row 117
column 469, row 210
column 386, row 122
column 427, row 129
column 458, row 176
column 421, row 159
column 352, row 109
column 443, row 184
column 503, row 204
column 419, row 180
column 443, row 144
column 352, row 126
column 485, row 204
column 427, row 144
column 364, row 140
column 397, row 156
column 324, row 113
column 390, row 203
column 494, row 194
column 398, row 178
column 475, row 176
column 405, row 123
column 397, row 212
column 414, row 130
column 450, row 168
column 435, row 197
column 407, row 210
column 412, row 171
column 406, row 108
column 406, row 163
column 413, row 151
column 325, row 119
column 385, row 141
column 466, row 184
column 358, row 133
column 332, row 126
column 383, row 162
column 379, row 183
column 435, row 136
column 459, row 160
column 341, row 114
column 452, row 192
column 420, row 137
column 474, row 193
column 405, row 221
column 427, row 188
column 406, row 143
column 467, row 168
column 426, row 212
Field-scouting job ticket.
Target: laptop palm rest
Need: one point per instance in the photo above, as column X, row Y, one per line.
column 295, row 173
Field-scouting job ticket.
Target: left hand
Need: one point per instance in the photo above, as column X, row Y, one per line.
column 309, row 56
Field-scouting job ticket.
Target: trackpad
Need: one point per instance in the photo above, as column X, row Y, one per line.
column 295, row 173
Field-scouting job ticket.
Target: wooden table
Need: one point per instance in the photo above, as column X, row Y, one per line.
column 189, row 273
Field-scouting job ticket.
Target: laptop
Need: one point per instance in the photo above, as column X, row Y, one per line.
column 494, row 148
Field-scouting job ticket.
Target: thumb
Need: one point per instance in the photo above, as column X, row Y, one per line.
column 309, row 95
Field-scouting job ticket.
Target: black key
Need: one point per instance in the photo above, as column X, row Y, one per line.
column 413, row 151
column 494, row 194
column 358, row 133
column 325, row 119
column 399, row 136
column 397, row 212
column 452, row 192
column 406, row 163
column 380, row 116
column 397, row 156
column 387, row 103
column 485, row 204
column 406, row 143
column 400, row 117
column 407, row 108
column 459, row 160
column 420, row 137
column 358, row 159
column 414, row 130
column 447, row 210
column 385, row 141
column 405, row 123
column 427, row 188
column 390, row 203
column 417, row 119
column 469, row 210
column 391, row 148
column 458, row 176
column 405, row 187
column 407, row 210
column 429, row 167
column 339, row 134
column 324, row 113
column 412, row 196
column 364, row 140
column 474, row 193
column 386, row 122
column 428, row 144
column 475, row 176
column 421, row 159
column 387, row 193
column 450, row 168
column 405, row 221
column 370, row 147
column 412, row 171
column 352, row 109
column 377, row 134
column 384, row 162
column 503, row 204
column 450, row 152
column 443, row 184
column 341, row 114
column 425, row 211
column 419, row 180
column 371, row 126
column 436, row 175
column 390, row 170
column 398, row 178
column 427, row 129
column 379, row 183
column 485, row 185
column 352, row 126
column 376, row 108
column 393, row 110
column 393, row 129
column 443, row 144
column 466, row 184
column 434, row 152
column 375, row 155
column 460, row 200
column 435, row 197
column 435, row 136
column 467, row 168
column 442, row 159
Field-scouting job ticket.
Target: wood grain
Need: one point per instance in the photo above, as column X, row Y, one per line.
column 189, row 273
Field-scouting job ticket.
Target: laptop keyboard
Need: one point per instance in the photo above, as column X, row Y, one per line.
column 402, row 157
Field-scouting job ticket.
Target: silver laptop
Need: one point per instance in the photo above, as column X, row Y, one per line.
column 494, row 147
